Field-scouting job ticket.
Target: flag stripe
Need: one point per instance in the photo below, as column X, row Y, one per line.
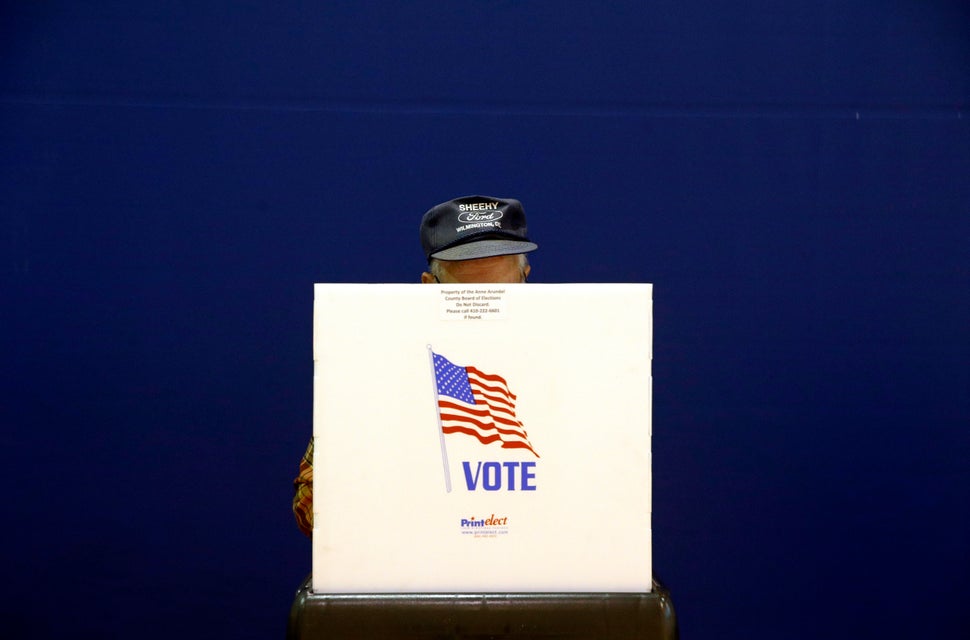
column 483, row 431
column 492, row 390
column 457, row 411
column 486, row 436
column 499, row 409
column 491, row 383
column 485, row 426
column 471, row 432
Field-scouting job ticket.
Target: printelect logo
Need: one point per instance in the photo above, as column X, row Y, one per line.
column 491, row 521
column 490, row 527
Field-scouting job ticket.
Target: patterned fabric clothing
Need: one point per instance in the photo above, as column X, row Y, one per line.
column 303, row 497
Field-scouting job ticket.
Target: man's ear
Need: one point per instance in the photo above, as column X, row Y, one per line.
column 427, row 278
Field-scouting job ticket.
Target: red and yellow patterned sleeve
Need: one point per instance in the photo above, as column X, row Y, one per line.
column 303, row 497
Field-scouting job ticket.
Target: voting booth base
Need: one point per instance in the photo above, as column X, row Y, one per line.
column 480, row 616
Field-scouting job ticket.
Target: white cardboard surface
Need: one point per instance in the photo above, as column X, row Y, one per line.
column 575, row 517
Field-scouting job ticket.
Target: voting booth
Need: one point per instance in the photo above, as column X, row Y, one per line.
column 482, row 450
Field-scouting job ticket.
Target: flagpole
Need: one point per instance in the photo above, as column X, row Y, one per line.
column 441, row 432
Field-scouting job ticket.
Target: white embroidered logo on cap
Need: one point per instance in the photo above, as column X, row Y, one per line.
column 480, row 216
column 478, row 206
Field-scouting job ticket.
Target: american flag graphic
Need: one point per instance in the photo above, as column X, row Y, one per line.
column 477, row 404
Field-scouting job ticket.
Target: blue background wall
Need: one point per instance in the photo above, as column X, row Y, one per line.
column 794, row 178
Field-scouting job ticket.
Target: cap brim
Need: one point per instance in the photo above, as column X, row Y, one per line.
column 485, row 249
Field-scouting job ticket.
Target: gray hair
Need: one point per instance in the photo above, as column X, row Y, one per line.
column 436, row 268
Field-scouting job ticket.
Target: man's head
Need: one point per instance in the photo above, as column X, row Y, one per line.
column 476, row 239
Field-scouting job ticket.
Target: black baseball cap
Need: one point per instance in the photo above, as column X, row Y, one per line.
column 475, row 227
